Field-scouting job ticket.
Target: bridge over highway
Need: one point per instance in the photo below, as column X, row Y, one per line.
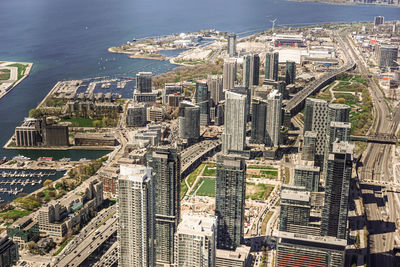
column 378, row 138
column 192, row 156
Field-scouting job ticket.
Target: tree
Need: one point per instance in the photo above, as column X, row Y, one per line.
column 35, row 113
column 340, row 100
column 96, row 123
column 47, row 183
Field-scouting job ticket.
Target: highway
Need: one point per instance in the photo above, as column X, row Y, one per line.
column 380, row 209
column 89, row 244
column 295, row 103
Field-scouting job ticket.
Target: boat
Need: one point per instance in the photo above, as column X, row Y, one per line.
column 21, row 158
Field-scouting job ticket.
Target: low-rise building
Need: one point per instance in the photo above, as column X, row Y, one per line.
column 241, row 257
column 94, row 139
column 24, row 230
column 155, row 114
column 58, row 217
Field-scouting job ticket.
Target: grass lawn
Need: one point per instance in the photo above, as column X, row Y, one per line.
column 62, row 246
column 82, row 122
column 287, row 175
column 192, row 177
column 210, row 170
column 21, row 69
column 258, row 191
column 260, row 167
column 184, row 189
column 350, row 99
column 4, row 74
column 325, row 95
column 270, row 173
column 15, row 214
column 207, row 187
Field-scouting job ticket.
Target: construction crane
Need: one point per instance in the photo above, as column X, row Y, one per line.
column 273, row 23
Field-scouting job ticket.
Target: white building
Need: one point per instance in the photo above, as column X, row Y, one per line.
column 136, row 226
column 195, row 241
column 234, row 136
column 274, row 118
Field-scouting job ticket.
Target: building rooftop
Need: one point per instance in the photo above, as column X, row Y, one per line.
column 343, row 148
column 240, row 254
column 340, row 124
column 307, row 168
column 197, row 225
column 326, row 240
column 303, row 196
column 135, row 173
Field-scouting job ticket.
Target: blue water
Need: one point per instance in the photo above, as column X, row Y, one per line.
column 68, row 39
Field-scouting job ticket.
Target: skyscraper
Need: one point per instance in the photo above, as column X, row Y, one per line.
column 339, row 112
column 316, row 118
column 335, row 210
column 290, row 72
column 386, row 56
column 295, row 209
column 143, row 82
column 230, row 200
column 232, row 45
column 166, row 164
column 272, row 66
column 378, row 20
column 258, row 121
column 189, row 121
column 307, row 176
column 230, row 69
column 308, row 152
column 202, row 97
column 195, row 241
column 135, row 206
column 214, row 83
column 234, row 136
column 251, row 70
column 274, row 118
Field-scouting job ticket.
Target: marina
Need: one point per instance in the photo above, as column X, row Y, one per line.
column 15, row 182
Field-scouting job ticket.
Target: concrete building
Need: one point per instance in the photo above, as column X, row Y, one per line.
column 95, row 139
column 170, row 89
column 307, row 176
column 219, row 113
column 202, row 98
column 272, row 66
column 386, row 56
column 58, row 217
column 166, row 164
column 215, row 84
column 231, row 50
column 136, row 226
column 155, row 114
column 234, row 136
column 240, row 257
column 175, row 100
column 274, row 118
column 230, row 69
column 136, row 115
column 230, row 200
column 290, row 76
column 316, row 118
column 335, row 211
column 189, row 121
column 258, row 121
column 144, row 97
column 109, row 177
column 144, row 82
column 8, row 252
column 297, row 250
column 295, row 209
column 339, row 112
column 379, row 20
column 310, row 139
column 195, row 241
column 251, row 70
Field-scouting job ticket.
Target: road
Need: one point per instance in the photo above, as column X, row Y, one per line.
column 380, row 209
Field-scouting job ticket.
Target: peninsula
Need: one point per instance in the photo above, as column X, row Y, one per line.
column 11, row 74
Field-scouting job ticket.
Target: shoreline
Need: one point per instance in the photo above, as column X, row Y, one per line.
column 26, row 74
column 345, row 3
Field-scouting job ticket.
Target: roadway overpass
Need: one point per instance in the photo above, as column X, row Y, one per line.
column 296, row 103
